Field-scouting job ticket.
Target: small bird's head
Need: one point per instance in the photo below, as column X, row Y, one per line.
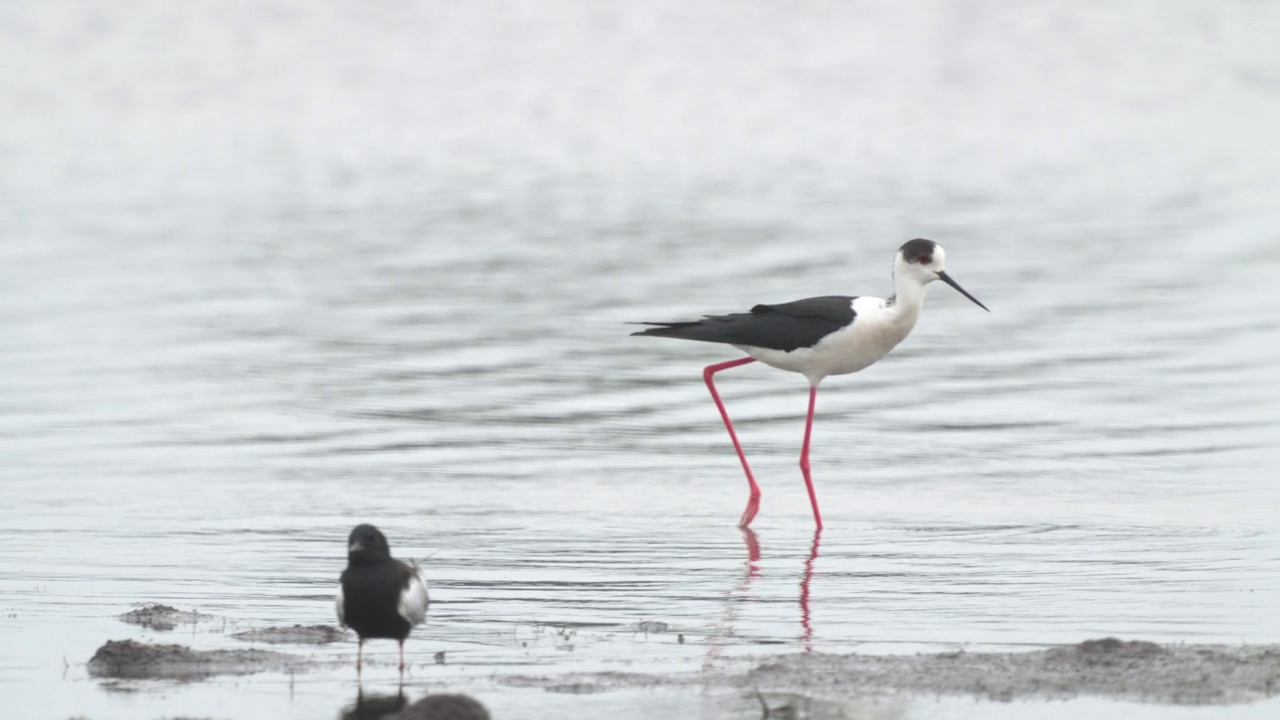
column 367, row 545
column 924, row 261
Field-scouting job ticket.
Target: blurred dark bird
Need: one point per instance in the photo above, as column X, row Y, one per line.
column 379, row 596
column 817, row 337
column 443, row 707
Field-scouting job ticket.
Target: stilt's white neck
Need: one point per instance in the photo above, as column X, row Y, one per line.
column 908, row 299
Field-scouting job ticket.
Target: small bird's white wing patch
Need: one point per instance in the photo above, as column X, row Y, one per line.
column 338, row 604
column 413, row 599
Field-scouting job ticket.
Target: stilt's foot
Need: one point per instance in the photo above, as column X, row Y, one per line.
column 753, row 548
column 813, row 500
column 749, row 514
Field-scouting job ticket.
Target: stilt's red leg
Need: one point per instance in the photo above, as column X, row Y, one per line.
column 359, row 655
column 402, row 657
column 804, row 456
column 753, row 502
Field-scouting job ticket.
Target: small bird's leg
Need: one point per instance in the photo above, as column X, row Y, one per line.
column 401, row 658
column 753, row 502
column 804, row 456
column 359, row 655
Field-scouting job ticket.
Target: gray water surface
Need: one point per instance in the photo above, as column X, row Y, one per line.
column 270, row 270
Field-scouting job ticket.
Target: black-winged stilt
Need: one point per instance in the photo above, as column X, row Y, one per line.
column 379, row 596
column 817, row 337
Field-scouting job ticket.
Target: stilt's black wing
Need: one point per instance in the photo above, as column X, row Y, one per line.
column 787, row 326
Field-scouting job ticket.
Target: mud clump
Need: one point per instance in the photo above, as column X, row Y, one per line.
column 443, row 707
column 129, row 659
column 1107, row 651
column 296, row 635
column 163, row 617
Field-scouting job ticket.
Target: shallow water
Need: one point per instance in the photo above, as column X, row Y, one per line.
column 267, row 273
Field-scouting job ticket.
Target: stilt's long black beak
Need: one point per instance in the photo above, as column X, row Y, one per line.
column 944, row 277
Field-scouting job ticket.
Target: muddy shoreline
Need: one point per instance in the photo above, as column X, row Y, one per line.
column 1106, row 668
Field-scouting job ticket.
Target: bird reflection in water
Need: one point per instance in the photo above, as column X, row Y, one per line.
column 373, row 707
column 438, row 706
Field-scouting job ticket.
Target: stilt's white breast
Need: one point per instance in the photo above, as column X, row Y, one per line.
column 876, row 329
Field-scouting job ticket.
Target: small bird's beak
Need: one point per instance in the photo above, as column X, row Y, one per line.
column 944, row 277
column 357, row 547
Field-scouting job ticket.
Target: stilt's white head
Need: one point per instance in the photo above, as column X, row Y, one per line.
column 920, row 260
column 924, row 261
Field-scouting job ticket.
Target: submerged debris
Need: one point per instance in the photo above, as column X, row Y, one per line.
column 652, row 626
column 296, row 635
column 163, row 617
column 135, row 660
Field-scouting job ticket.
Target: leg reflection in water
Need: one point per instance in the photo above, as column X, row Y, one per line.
column 804, row 589
column 733, row 598
column 725, row 629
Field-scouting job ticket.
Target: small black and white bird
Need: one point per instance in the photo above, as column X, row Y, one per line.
column 817, row 337
column 379, row 596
